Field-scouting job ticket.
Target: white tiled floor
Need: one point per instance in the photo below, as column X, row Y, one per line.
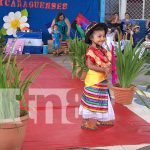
column 133, row 147
column 140, row 110
column 122, row 147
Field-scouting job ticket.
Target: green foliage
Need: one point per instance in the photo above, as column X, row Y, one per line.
column 24, row 12
column 3, row 31
column 77, row 51
column 148, row 84
column 148, row 72
column 10, row 78
column 2, row 44
column 81, row 32
column 148, row 56
column 129, row 64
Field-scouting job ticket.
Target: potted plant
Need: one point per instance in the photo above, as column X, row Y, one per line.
column 129, row 65
column 146, row 84
column 13, row 109
column 77, row 51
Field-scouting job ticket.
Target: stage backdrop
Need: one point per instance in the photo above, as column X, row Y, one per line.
column 42, row 12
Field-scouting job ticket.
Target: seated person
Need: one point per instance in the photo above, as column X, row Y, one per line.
column 146, row 45
column 147, row 41
column 128, row 33
column 127, row 21
column 136, row 35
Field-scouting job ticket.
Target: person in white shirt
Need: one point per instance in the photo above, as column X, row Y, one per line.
column 145, row 45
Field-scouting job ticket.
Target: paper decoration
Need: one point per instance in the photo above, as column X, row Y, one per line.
column 15, row 21
column 14, row 46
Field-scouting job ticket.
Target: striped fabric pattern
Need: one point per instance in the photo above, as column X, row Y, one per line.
column 95, row 98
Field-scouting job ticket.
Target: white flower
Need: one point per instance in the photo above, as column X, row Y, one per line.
column 14, row 21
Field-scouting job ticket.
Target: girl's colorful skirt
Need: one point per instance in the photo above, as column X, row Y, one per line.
column 96, row 103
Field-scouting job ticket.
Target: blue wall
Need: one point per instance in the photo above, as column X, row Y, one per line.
column 142, row 24
column 39, row 18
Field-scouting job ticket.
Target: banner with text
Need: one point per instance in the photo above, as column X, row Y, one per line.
column 42, row 12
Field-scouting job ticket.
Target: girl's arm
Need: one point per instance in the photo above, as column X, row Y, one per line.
column 53, row 22
column 147, row 46
column 91, row 66
column 147, row 22
column 68, row 25
column 60, row 37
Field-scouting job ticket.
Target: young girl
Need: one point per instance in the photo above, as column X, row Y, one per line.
column 136, row 35
column 147, row 41
column 56, row 36
column 146, row 45
column 95, row 102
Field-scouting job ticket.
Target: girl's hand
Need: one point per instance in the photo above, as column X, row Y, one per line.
column 108, row 70
column 94, row 67
column 68, row 33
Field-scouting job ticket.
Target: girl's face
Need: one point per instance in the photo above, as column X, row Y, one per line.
column 98, row 37
column 55, row 27
column 137, row 30
column 116, row 16
column 127, row 16
column 109, row 31
column 61, row 17
column 146, row 38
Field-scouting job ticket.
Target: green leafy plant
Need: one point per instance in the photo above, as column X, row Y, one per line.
column 11, row 78
column 148, row 85
column 24, row 12
column 77, row 51
column 129, row 64
column 2, row 43
column 143, row 97
column 148, row 55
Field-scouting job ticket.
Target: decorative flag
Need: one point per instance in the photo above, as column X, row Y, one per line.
column 82, row 21
column 114, row 71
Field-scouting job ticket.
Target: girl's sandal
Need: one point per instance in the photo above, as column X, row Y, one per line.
column 104, row 123
column 88, row 125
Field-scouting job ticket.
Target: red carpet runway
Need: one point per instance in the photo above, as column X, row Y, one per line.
column 56, row 125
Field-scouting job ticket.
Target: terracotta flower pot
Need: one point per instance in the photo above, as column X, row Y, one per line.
column 12, row 134
column 123, row 96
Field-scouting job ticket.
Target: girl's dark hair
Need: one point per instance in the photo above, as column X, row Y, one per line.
column 127, row 14
column 58, row 15
column 99, row 28
column 56, row 24
column 116, row 13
